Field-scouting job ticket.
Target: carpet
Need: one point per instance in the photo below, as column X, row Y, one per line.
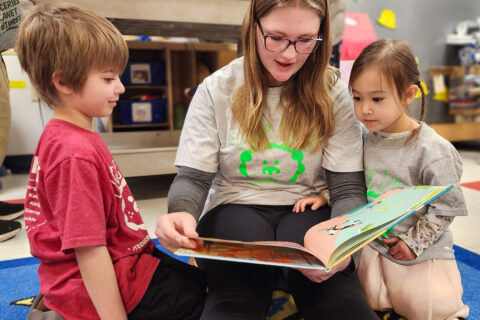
column 19, row 283
column 472, row 185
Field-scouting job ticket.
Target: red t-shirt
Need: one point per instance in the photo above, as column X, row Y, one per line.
column 77, row 197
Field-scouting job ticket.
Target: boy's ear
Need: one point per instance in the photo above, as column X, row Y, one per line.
column 59, row 83
column 411, row 93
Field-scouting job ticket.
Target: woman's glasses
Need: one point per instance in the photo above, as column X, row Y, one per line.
column 280, row 44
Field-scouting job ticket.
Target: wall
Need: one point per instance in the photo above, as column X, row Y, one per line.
column 28, row 115
column 424, row 24
column 198, row 11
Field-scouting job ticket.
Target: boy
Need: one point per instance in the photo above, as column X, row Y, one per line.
column 97, row 259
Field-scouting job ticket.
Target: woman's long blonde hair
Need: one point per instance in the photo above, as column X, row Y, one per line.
column 305, row 99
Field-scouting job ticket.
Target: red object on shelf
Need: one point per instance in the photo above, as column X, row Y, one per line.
column 358, row 34
column 146, row 97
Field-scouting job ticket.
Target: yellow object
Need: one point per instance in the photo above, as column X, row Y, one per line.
column 9, row 51
column 27, row 302
column 425, row 90
column 17, row 84
column 441, row 96
column 387, row 19
column 282, row 306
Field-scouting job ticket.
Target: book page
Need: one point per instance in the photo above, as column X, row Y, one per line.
column 335, row 239
column 278, row 253
column 329, row 242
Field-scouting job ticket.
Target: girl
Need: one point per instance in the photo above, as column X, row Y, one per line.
column 413, row 271
column 266, row 128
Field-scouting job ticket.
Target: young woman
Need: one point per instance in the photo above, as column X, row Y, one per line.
column 270, row 128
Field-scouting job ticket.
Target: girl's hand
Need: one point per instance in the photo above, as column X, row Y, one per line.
column 319, row 275
column 315, row 201
column 399, row 249
column 174, row 230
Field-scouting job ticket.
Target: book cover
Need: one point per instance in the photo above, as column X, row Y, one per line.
column 328, row 243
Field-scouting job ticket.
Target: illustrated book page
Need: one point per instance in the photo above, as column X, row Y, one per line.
column 329, row 242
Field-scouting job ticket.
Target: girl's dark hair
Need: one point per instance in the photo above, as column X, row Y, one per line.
column 396, row 62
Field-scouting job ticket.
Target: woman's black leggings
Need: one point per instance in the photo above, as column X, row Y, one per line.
column 244, row 291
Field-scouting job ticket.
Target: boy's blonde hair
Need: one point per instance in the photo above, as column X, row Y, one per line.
column 69, row 39
column 307, row 104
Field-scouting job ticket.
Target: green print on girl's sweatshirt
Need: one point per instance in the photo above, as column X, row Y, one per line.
column 384, row 185
column 277, row 163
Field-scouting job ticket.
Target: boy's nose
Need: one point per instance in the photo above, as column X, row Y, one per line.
column 120, row 88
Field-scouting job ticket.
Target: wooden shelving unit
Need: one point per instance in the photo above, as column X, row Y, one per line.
column 460, row 131
column 141, row 126
column 182, row 60
column 463, row 128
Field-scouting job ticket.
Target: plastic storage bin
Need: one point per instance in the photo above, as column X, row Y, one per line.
column 143, row 111
column 144, row 73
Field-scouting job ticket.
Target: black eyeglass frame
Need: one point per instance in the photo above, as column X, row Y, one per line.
column 290, row 42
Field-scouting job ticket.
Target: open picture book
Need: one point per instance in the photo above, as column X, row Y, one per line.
column 329, row 242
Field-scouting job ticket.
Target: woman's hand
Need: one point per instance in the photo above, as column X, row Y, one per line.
column 315, row 201
column 319, row 275
column 399, row 249
column 174, row 230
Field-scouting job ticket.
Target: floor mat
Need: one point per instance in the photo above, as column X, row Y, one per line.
column 472, row 185
column 19, row 282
